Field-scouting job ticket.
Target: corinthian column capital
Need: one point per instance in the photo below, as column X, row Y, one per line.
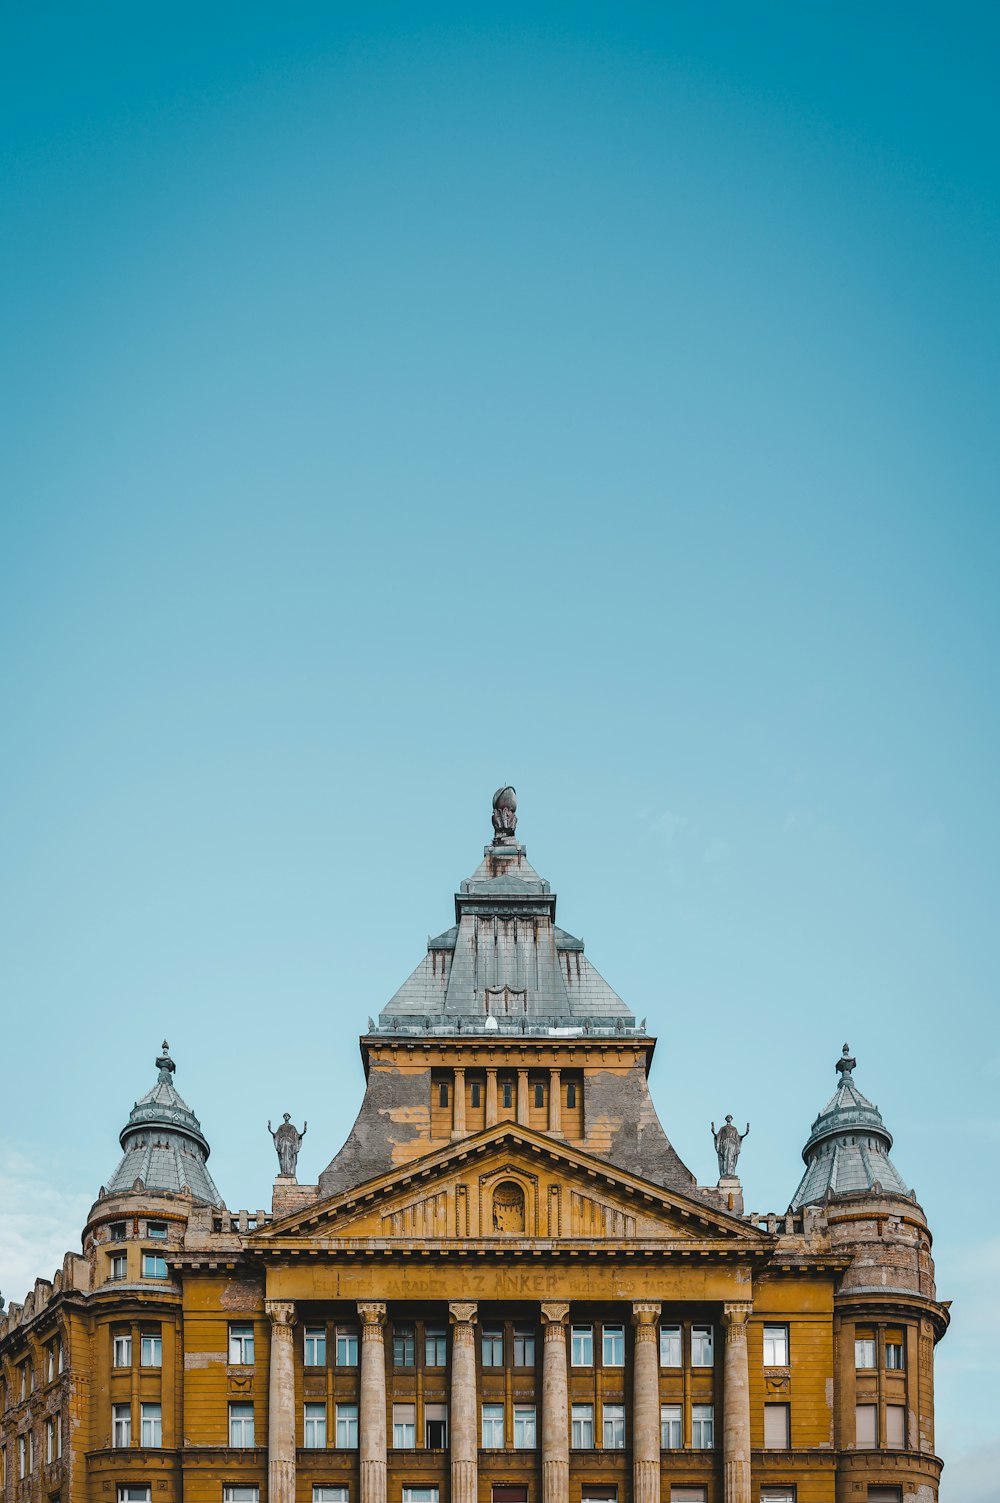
column 645, row 1314
column 372, row 1316
column 281, row 1312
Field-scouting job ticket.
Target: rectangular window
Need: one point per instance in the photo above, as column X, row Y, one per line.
column 22, row 1456
column 687, row 1495
column 582, row 1346
column 492, row 1346
column 507, row 1093
column 702, row 1427
column 241, row 1346
column 151, row 1349
column 58, row 1435
column 154, row 1265
column 50, row 1441
column 885, row 1495
column 119, row 1266
column 895, row 1426
column 246, row 1492
column 60, row 1357
column 121, row 1425
column 31, row 1451
column 330, row 1495
column 151, row 1424
column 314, row 1426
column 435, row 1426
column 613, row 1354
column 117, row 1231
column 571, row 1094
column 404, row 1426
column 135, row 1494
column 595, row 1493
column 524, row 1346
column 435, row 1346
column 613, row 1427
column 443, row 1094
column 776, row 1427
column 524, row 1427
column 403, row 1346
column 775, row 1346
column 539, row 1094
column 347, row 1346
column 347, row 1427
column 157, row 1230
column 315, row 1346
column 420, row 1495
column 670, row 1346
column 864, row 1346
column 121, row 1351
column 894, row 1360
column 508, row 1492
column 492, row 1427
column 777, row 1495
column 50, row 1361
column 866, row 1424
column 701, row 1346
column 241, row 1425
column 583, row 1427
column 474, row 1093
column 671, row 1433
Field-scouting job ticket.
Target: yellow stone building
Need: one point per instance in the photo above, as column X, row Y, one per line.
column 506, row 1287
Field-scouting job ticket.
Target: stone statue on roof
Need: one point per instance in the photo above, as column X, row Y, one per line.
column 728, row 1142
column 504, row 814
column 287, row 1142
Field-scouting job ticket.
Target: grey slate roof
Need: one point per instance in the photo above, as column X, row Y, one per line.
column 848, row 1148
column 505, row 959
column 164, row 1146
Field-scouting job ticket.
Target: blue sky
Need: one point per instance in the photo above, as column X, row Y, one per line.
column 399, row 401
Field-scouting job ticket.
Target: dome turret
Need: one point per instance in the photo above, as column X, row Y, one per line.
column 164, row 1146
column 847, row 1152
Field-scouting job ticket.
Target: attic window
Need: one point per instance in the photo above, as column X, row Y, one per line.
column 539, row 1094
column 507, row 1090
column 443, row 1093
column 474, row 1093
column 571, row 1093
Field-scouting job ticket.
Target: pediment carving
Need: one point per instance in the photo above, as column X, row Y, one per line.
column 510, row 1182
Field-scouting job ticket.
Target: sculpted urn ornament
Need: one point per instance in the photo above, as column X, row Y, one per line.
column 728, row 1142
column 504, row 815
column 287, row 1142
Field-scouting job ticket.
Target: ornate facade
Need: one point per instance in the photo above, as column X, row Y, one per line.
column 505, row 1287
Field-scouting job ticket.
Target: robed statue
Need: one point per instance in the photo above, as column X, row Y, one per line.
column 287, row 1142
column 504, row 814
column 728, row 1142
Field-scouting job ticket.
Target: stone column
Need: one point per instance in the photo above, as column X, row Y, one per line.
column 281, row 1403
column 522, row 1097
column 645, row 1404
column 491, row 1098
column 555, row 1406
column 463, row 1418
column 458, row 1106
column 555, row 1101
column 736, row 1405
column 371, row 1412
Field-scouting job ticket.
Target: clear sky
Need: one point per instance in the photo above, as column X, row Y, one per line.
column 399, row 401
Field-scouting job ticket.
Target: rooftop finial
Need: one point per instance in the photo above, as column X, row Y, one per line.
column 846, row 1062
column 165, row 1065
column 504, row 815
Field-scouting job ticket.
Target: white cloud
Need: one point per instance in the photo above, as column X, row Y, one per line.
column 39, row 1224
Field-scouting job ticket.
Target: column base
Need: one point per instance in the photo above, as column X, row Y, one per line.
column 645, row 1482
column 555, row 1482
column 737, row 1482
column 281, row 1481
column 464, row 1481
column 372, row 1482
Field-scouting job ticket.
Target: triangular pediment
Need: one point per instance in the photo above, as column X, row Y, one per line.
column 511, row 1182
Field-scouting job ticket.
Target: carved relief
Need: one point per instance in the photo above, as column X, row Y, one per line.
column 595, row 1218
